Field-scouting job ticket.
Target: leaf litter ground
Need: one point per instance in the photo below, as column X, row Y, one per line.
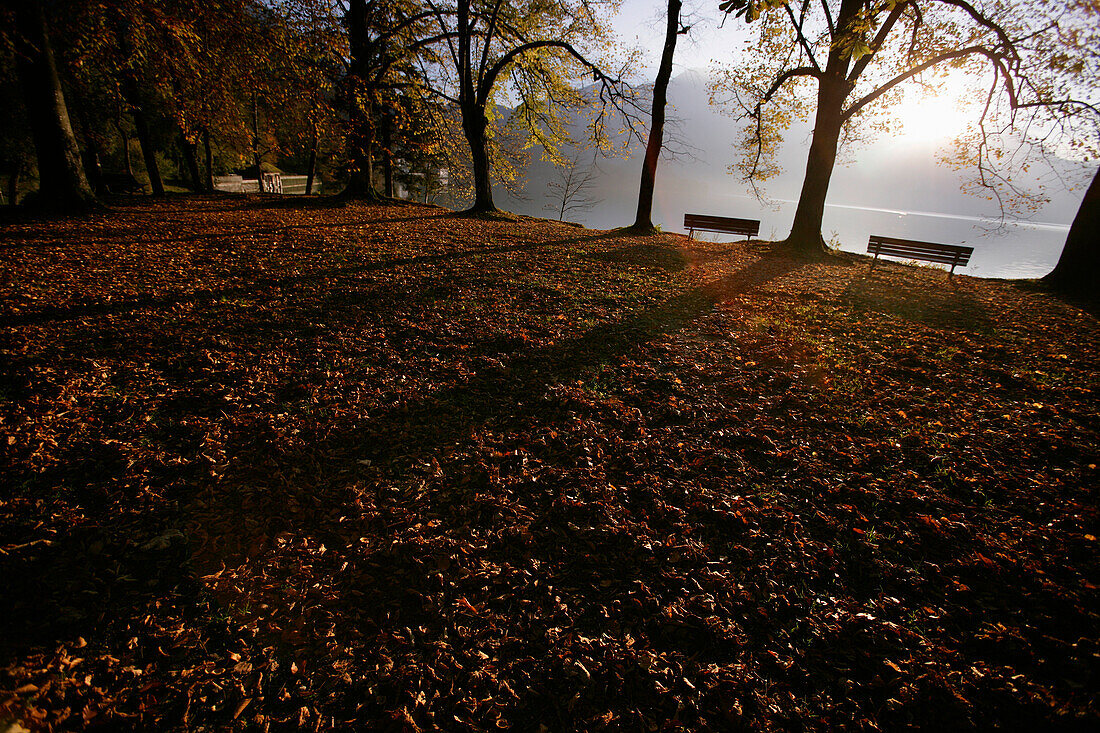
column 275, row 466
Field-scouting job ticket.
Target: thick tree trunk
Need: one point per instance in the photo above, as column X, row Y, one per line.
column 131, row 90
column 209, row 155
column 361, row 180
column 92, row 167
column 190, row 157
column 805, row 236
column 833, row 89
column 125, row 148
column 360, row 141
column 1078, row 270
column 387, row 158
column 256, row 162
column 312, row 172
column 474, row 125
column 148, row 152
column 472, row 101
column 62, row 183
column 13, row 183
column 643, row 221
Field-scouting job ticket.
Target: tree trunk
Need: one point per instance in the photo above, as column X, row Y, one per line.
column 1078, row 270
column 474, row 125
column 833, row 89
column 13, row 182
column 472, row 102
column 209, row 154
column 312, row 165
column 805, row 236
column 190, row 157
column 62, row 183
column 360, row 140
column 132, row 92
column 125, row 148
column 148, row 153
column 387, row 158
column 361, row 181
column 256, row 163
column 90, row 157
column 92, row 167
column 643, row 221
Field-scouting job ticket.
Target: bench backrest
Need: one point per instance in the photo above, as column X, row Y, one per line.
column 945, row 254
column 705, row 222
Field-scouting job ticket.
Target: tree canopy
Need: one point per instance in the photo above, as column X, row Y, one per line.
column 847, row 60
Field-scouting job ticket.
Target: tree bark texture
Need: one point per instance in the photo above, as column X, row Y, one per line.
column 1078, row 270
column 125, row 148
column 361, row 179
column 474, row 125
column 472, row 98
column 191, row 158
column 92, row 168
column 148, row 151
column 832, row 91
column 644, row 218
column 805, row 233
column 312, row 172
column 62, row 182
column 132, row 91
column 387, row 158
column 13, row 183
column 256, row 163
column 360, row 140
column 209, row 155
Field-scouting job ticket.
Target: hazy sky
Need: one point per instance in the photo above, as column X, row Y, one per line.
column 643, row 22
column 930, row 120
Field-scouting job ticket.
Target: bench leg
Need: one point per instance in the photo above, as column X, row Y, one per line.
column 691, row 234
column 873, row 263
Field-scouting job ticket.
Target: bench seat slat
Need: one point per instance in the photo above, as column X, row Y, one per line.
column 937, row 260
column 921, row 255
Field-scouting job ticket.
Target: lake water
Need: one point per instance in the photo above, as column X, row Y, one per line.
column 1011, row 250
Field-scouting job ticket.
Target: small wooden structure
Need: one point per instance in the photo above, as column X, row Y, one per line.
column 944, row 254
column 723, row 224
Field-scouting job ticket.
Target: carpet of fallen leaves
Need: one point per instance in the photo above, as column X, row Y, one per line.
column 279, row 466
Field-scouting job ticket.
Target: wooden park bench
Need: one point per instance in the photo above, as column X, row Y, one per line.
column 944, row 254
column 723, row 224
column 122, row 183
